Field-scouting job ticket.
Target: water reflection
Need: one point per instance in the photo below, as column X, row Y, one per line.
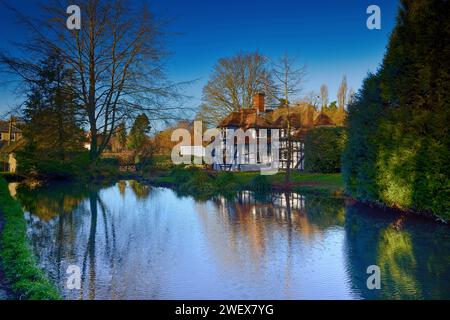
column 133, row 241
column 413, row 254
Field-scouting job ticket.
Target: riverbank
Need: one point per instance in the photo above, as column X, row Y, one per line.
column 202, row 183
column 5, row 289
column 196, row 181
column 27, row 280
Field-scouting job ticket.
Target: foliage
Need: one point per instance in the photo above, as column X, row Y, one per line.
column 332, row 106
column 138, row 132
column 200, row 184
column 181, row 174
column 260, row 184
column 226, row 180
column 53, row 126
column 323, row 149
column 398, row 146
column 52, row 130
column 225, row 183
column 103, row 168
column 28, row 281
column 121, row 136
column 77, row 166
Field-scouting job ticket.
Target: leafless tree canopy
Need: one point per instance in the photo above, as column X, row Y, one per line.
column 342, row 93
column 351, row 95
column 232, row 85
column 324, row 96
column 116, row 58
column 313, row 98
column 288, row 80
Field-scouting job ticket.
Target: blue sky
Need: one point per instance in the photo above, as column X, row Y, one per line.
column 329, row 37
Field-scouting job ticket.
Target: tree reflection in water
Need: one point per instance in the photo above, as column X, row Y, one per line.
column 134, row 241
column 413, row 256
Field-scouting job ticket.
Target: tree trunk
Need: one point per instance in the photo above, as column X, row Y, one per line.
column 287, row 177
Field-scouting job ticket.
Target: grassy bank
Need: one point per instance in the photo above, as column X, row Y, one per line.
column 27, row 280
column 201, row 182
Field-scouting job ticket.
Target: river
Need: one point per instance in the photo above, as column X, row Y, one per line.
column 134, row 241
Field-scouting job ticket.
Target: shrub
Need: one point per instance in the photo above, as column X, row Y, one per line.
column 199, row 184
column 260, row 184
column 397, row 152
column 226, row 180
column 323, row 149
column 182, row 174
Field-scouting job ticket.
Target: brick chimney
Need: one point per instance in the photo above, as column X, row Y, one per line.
column 258, row 102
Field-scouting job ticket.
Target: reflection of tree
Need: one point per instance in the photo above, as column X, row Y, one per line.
column 396, row 259
column 90, row 250
column 57, row 206
column 122, row 185
column 141, row 190
column 51, row 200
column 325, row 211
column 413, row 258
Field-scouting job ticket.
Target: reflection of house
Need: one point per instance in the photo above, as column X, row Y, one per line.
column 301, row 118
column 10, row 141
column 281, row 201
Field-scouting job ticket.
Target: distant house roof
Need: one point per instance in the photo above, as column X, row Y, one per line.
column 4, row 127
column 323, row 120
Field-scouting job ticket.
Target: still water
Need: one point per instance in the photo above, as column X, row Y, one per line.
column 134, row 241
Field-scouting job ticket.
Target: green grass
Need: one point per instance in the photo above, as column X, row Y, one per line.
column 330, row 184
column 27, row 280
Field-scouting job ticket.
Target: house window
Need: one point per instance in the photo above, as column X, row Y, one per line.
column 13, row 137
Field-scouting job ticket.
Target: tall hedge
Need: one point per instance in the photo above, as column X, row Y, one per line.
column 323, row 149
column 398, row 147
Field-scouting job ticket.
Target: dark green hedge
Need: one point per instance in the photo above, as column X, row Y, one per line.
column 398, row 146
column 323, row 149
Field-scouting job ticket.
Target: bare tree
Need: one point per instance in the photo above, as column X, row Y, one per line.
column 289, row 78
column 313, row 98
column 351, row 95
column 116, row 59
column 342, row 93
column 232, row 85
column 323, row 96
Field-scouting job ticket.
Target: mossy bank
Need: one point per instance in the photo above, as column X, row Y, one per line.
column 27, row 280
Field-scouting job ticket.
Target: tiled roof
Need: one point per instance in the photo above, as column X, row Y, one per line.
column 300, row 117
